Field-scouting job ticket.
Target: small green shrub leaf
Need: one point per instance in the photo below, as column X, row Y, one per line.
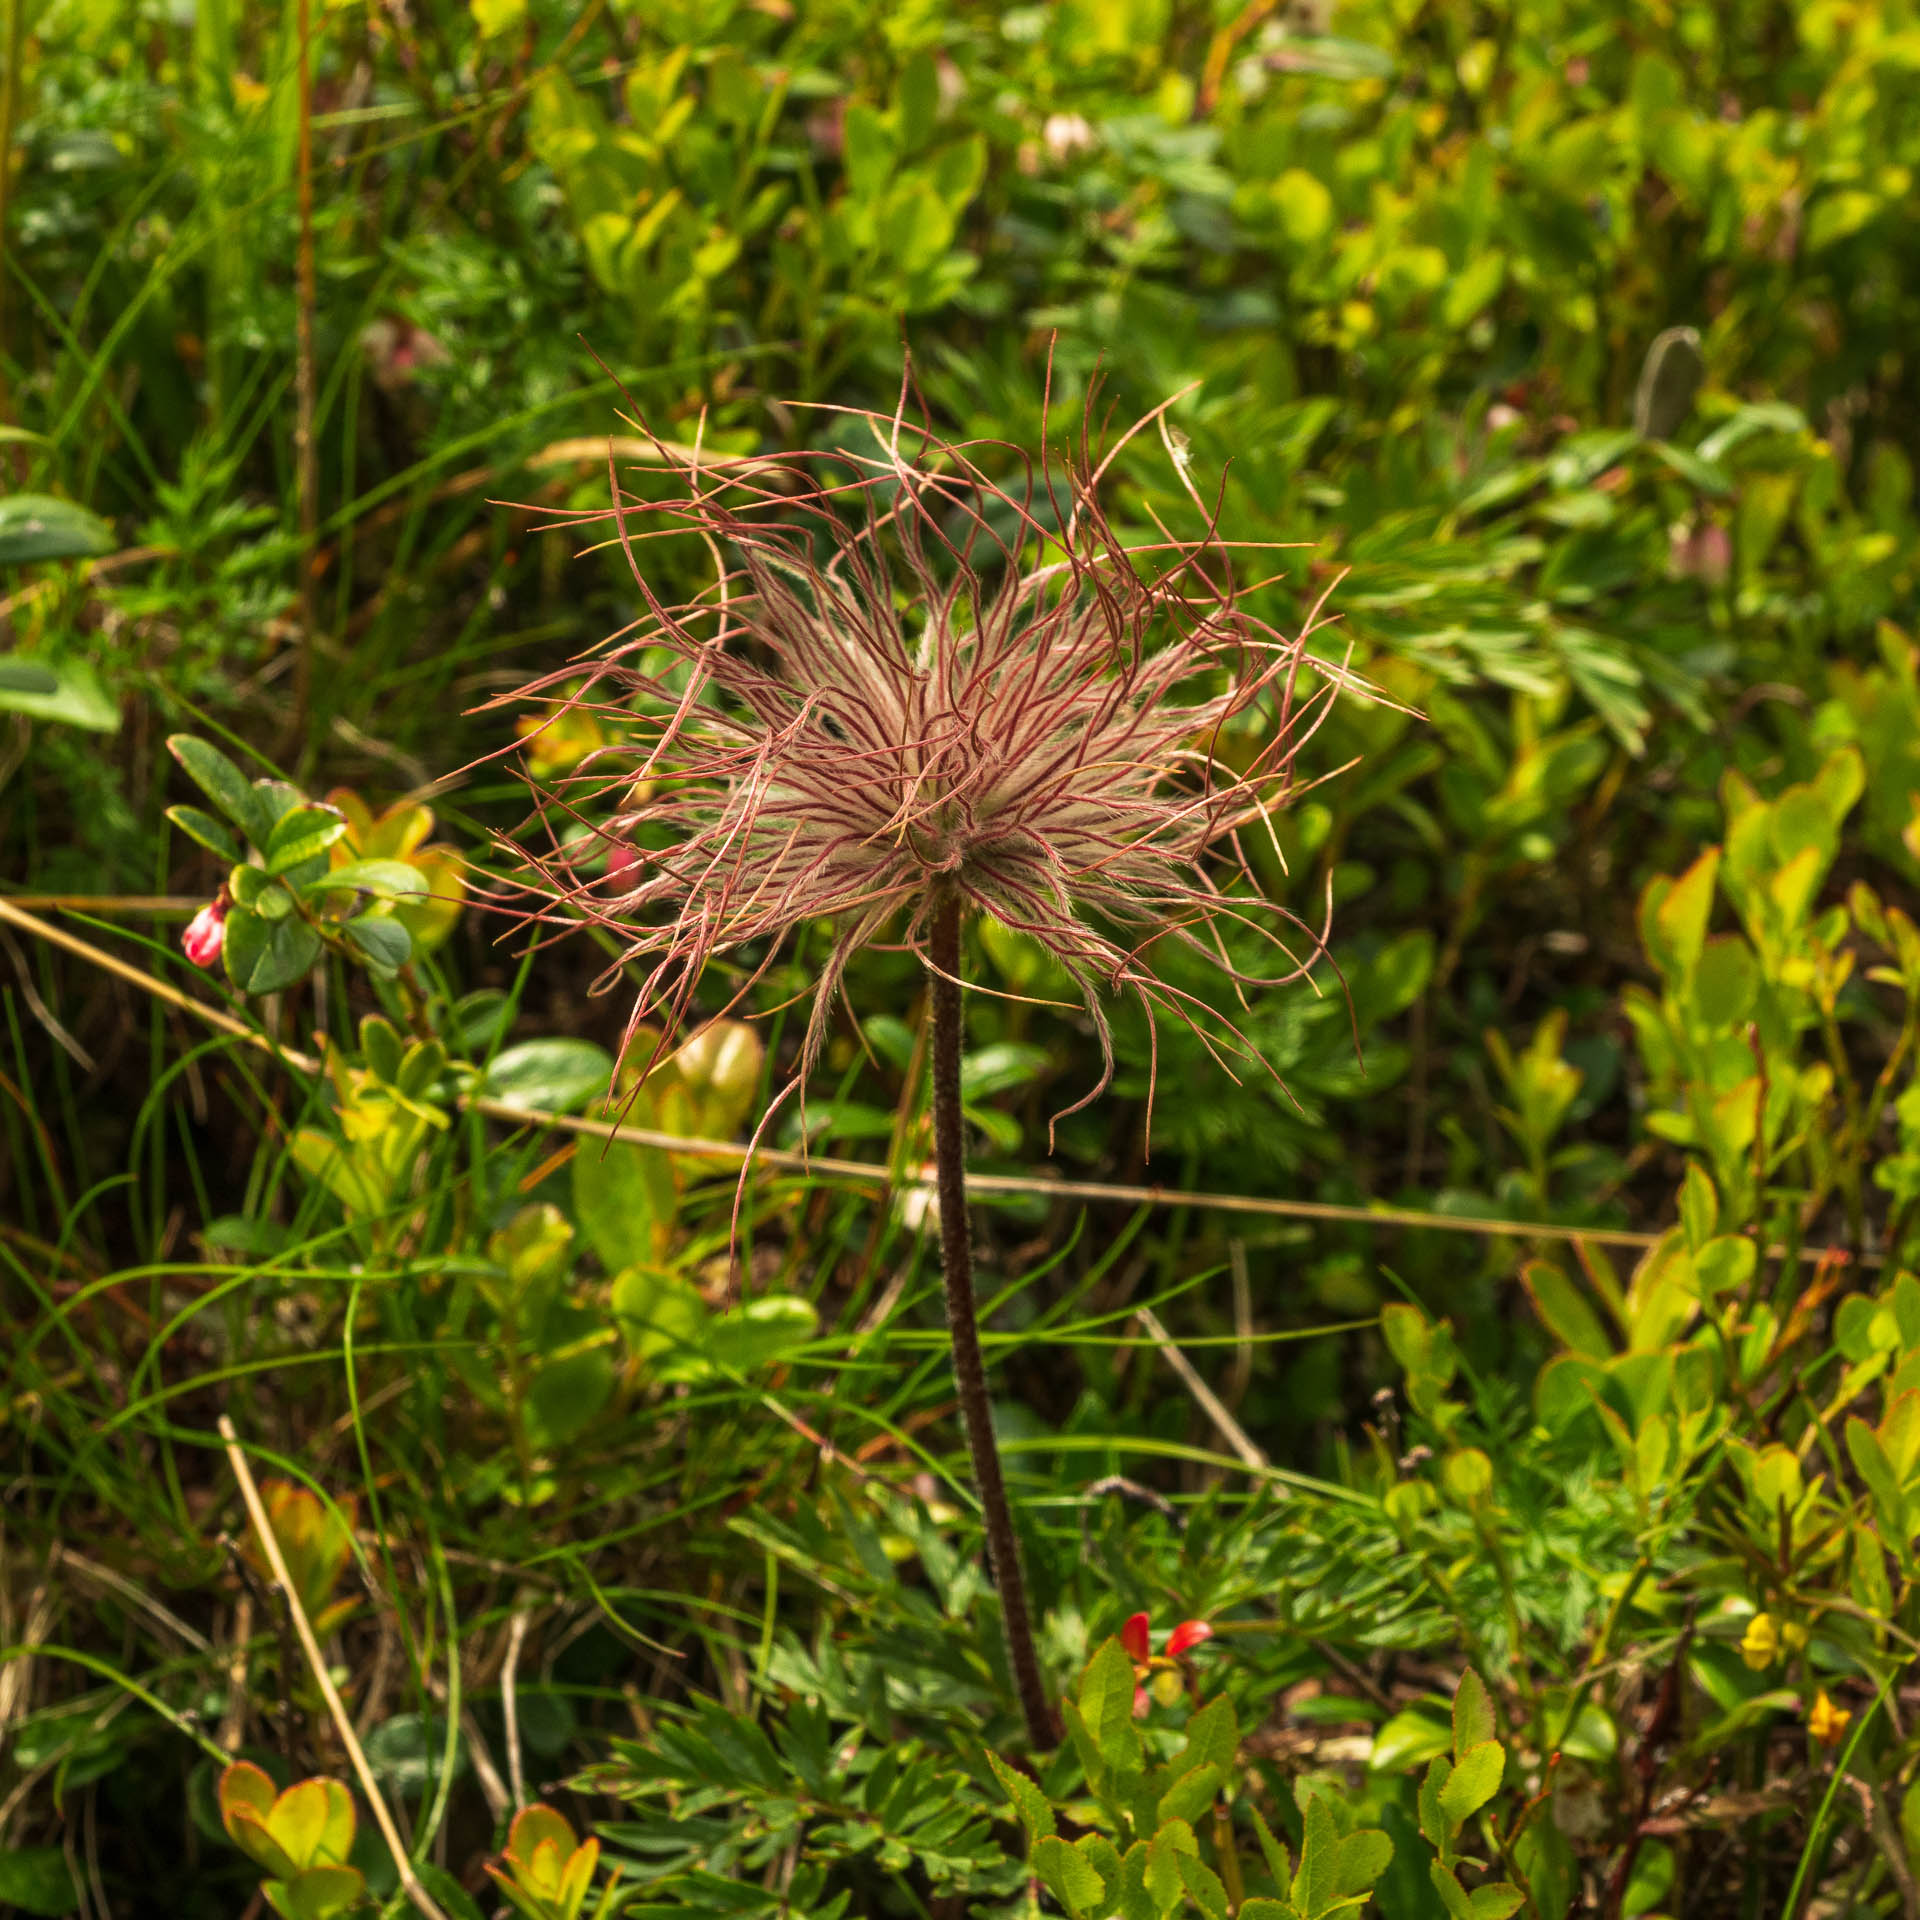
column 1068, row 1875
column 1474, row 1781
column 37, row 1880
column 1036, row 1815
column 551, row 1075
column 1473, row 1720
column 302, row 833
column 39, row 526
column 224, row 784
column 204, row 828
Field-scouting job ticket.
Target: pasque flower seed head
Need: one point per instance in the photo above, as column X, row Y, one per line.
column 911, row 677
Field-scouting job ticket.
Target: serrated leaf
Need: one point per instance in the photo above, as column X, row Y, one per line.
column 1473, row 1720
column 1495, row 1902
column 1106, row 1707
column 1274, row 1852
column 1036, row 1815
column 1433, row 1820
column 1191, row 1795
column 1165, row 1883
column 1068, row 1875
column 1362, row 1858
column 1453, row 1896
column 1209, row 1893
column 1474, row 1781
column 1213, row 1736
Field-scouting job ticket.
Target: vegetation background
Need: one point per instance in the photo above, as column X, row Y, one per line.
column 1574, row 340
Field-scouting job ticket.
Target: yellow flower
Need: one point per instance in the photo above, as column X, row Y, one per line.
column 1766, row 1639
column 1826, row 1722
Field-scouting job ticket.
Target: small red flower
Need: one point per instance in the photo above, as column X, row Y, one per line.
column 1186, row 1636
column 1134, row 1637
column 206, row 934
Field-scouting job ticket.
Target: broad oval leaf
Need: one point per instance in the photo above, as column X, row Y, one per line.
column 549, row 1075
column 265, row 956
column 302, row 833
column 70, row 695
column 204, row 828
column 384, row 944
column 223, row 783
column 40, row 526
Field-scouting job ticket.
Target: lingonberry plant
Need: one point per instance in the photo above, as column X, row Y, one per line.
column 932, row 680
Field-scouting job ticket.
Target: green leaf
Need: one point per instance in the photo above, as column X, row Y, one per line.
column 454, row 1900
column 551, row 1075
column 1190, row 1796
column 659, row 1314
column 70, row 696
column 37, row 1880
column 1882, row 1482
column 1164, row 1882
column 249, row 1832
column 1200, row 1880
column 266, row 956
column 495, row 17
column 204, row 828
column 390, row 879
column 1409, row 1739
column 1271, row 1850
column 625, row 1200
column 1433, row 1819
column 1068, row 1875
column 409, row 1751
column 1363, row 1856
column 37, row 526
column 1564, row 1311
column 1106, row 1705
column 1474, row 1781
column 224, row 784
column 759, row 1332
column 1213, row 1736
column 1036, row 1815
column 318, row 1893
column 1473, row 1720
column 1546, row 1860
column 301, row 833
column 384, row 944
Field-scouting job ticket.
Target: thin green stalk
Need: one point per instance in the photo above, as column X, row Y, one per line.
column 306, row 466
column 15, row 32
column 969, row 1369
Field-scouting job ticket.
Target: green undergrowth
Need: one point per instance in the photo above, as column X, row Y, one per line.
column 1556, row 1570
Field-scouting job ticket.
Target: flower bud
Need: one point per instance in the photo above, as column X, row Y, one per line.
column 206, row 934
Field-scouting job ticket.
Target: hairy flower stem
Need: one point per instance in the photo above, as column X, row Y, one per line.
column 969, row 1368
